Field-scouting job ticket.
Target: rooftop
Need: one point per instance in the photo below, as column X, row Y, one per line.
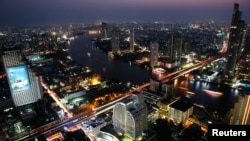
column 181, row 104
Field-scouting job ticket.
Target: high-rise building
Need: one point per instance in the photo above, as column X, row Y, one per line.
column 131, row 40
column 130, row 116
column 246, row 53
column 24, row 84
column 54, row 43
column 154, row 51
column 104, row 30
column 175, row 48
column 45, row 39
column 236, row 41
column 115, row 40
column 34, row 42
column 240, row 114
column 186, row 47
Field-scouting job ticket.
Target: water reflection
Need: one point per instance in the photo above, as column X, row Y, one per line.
column 218, row 97
column 125, row 72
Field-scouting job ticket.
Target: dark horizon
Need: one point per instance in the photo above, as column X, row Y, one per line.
column 29, row 12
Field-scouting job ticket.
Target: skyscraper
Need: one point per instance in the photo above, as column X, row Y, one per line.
column 186, row 47
column 104, row 30
column 45, row 40
column 116, row 40
column 34, row 42
column 130, row 116
column 54, row 44
column 175, row 48
column 235, row 42
column 131, row 40
column 154, row 50
column 24, row 84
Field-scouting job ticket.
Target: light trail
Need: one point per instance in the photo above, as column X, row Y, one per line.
column 183, row 88
column 190, row 93
column 56, row 99
column 246, row 112
column 213, row 93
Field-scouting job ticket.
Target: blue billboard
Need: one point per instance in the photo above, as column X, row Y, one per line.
column 18, row 78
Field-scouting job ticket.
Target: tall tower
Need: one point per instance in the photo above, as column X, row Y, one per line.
column 132, row 40
column 235, row 41
column 24, row 85
column 116, row 40
column 54, row 43
column 104, row 30
column 186, row 47
column 34, row 42
column 175, row 48
column 130, row 116
column 154, row 50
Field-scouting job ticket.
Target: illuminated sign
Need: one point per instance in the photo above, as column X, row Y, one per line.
column 18, row 78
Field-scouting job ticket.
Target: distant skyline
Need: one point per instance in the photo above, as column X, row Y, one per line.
column 26, row 12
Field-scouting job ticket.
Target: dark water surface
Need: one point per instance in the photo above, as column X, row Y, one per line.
column 82, row 51
column 105, row 65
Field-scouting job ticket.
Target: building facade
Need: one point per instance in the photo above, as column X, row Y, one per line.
column 115, row 40
column 132, row 40
column 236, row 41
column 104, row 30
column 180, row 111
column 175, row 48
column 154, row 51
column 130, row 117
column 24, row 84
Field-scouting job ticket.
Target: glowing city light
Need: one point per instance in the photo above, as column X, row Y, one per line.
column 55, row 97
column 95, row 80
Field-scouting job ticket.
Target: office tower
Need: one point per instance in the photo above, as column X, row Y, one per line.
column 187, row 48
column 246, row 53
column 45, row 42
column 104, row 30
column 175, row 48
column 154, row 50
column 34, row 42
column 24, row 84
column 131, row 41
column 45, row 39
column 240, row 114
column 130, row 116
column 235, row 42
column 116, row 40
column 243, row 44
column 54, row 45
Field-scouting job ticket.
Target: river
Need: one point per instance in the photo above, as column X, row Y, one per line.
column 206, row 94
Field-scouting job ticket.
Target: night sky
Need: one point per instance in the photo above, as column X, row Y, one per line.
column 25, row 12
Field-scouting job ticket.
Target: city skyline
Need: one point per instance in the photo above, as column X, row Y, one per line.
column 28, row 12
column 146, row 81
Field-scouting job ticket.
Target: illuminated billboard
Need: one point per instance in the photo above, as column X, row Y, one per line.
column 18, row 78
